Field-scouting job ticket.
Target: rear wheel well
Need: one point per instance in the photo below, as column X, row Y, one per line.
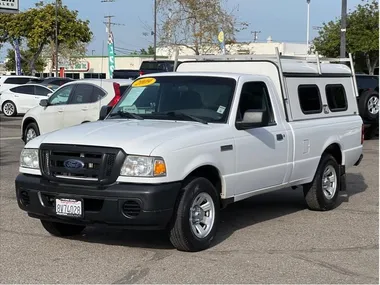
column 335, row 151
column 209, row 172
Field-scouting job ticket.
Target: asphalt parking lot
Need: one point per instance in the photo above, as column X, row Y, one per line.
column 272, row 238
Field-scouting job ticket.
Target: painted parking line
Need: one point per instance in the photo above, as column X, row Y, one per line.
column 10, row 138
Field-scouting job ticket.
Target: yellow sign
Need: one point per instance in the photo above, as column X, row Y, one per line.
column 143, row 82
column 221, row 37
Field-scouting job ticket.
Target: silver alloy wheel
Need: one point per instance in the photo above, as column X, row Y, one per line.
column 329, row 182
column 373, row 105
column 30, row 134
column 202, row 215
column 8, row 109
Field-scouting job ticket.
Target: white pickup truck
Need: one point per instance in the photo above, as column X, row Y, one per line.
column 180, row 146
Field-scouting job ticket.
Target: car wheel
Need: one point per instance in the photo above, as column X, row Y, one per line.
column 60, row 229
column 197, row 216
column 9, row 109
column 369, row 105
column 322, row 193
column 31, row 132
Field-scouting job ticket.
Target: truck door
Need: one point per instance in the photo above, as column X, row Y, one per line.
column 261, row 152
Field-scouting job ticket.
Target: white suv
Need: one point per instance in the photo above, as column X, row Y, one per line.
column 9, row 81
column 74, row 103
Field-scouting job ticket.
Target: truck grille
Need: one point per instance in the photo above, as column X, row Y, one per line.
column 80, row 164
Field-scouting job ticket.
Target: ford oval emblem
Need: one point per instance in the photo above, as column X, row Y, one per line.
column 73, row 164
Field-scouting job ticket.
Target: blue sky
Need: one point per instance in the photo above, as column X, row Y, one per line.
column 284, row 20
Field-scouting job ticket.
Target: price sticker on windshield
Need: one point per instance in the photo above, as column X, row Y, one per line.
column 144, row 82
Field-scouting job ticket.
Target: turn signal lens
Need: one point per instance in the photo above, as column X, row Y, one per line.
column 159, row 168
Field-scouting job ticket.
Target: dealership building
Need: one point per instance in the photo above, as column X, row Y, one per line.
column 97, row 66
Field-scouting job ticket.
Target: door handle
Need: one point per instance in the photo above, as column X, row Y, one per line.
column 60, row 110
column 280, row 137
column 84, row 108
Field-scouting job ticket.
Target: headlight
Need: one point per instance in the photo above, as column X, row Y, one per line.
column 143, row 166
column 29, row 158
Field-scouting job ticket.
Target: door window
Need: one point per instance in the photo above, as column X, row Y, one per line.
column 17, row 80
column 82, row 94
column 23, row 90
column 97, row 94
column 255, row 96
column 41, row 91
column 61, row 96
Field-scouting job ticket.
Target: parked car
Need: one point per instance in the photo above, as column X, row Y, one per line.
column 180, row 146
column 20, row 99
column 52, row 82
column 74, row 103
column 368, row 103
column 147, row 66
column 9, row 81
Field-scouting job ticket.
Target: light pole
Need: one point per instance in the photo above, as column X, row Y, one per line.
column 155, row 30
column 56, row 38
column 343, row 30
column 308, row 27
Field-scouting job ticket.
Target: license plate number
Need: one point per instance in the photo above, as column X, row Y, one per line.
column 68, row 207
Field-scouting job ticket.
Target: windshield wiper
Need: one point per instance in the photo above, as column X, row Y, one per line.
column 125, row 114
column 193, row 118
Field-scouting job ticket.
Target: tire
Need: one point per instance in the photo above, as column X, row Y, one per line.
column 369, row 105
column 183, row 235
column 9, row 109
column 61, row 230
column 29, row 130
column 314, row 192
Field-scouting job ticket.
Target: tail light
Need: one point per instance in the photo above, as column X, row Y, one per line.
column 362, row 141
column 141, row 72
column 116, row 88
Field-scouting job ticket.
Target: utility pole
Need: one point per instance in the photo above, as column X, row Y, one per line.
column 155, row 31
column 56, row 38
column 308, row 27
column 343, row 29
column 255, row 37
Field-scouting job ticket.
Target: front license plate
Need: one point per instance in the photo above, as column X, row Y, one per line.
column 68, row 207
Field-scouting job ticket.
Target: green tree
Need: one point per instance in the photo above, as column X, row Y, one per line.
column 35, row 28
column 10, row 64
column 150, row 51
column 362, row 36
column 196, row 24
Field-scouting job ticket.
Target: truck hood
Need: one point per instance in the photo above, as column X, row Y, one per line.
column 134, row 136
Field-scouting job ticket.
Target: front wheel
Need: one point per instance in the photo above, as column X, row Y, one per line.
column 322, row 193
column 197, row 217
column 60, row 229
column 31, row 132
column 9, row 109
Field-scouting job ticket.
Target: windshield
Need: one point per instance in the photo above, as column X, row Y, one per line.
column 184, row 97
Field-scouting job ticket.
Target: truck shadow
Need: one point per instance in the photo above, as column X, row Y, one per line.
column 235, row 217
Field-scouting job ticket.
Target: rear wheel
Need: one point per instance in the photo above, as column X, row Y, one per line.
column 322, row 193
column 9, row 109
column 60, row 229
column 369, row 105
column 197, row 217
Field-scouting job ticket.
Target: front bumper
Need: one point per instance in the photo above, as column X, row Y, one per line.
column 110, row 205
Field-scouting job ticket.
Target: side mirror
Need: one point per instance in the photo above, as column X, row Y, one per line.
column 44, row 103
column 104, row 111
column 49, row 94
column 251, row 119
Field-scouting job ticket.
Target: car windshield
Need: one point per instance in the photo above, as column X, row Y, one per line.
column 190, row 98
